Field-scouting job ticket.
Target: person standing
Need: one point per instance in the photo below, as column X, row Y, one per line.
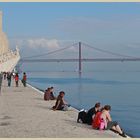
column 16, row 79
column 4, row 75
column 24, row 79
column 0, row 81
column 9, row 79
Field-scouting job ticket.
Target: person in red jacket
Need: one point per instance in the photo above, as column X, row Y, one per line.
column 16, row 79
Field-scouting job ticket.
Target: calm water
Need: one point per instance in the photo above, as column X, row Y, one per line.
column 120, row 89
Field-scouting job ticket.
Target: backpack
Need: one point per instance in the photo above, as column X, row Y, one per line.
column 96, row 121
column 82, row 115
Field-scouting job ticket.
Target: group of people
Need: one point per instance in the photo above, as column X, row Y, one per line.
column 96, row 116
column 100, row 118
column 15, row 76
column 49, row 95
column 60, row 104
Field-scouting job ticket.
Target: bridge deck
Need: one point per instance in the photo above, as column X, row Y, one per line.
column 77, row 60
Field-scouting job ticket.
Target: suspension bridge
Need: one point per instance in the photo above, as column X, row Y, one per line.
column 80, row 59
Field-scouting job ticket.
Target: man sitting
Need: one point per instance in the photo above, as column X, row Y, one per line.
column 60, row 102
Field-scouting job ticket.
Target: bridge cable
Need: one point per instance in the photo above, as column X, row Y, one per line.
column 106, row 51
column 52, row 52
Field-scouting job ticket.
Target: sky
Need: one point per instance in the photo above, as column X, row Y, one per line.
column 43, row 27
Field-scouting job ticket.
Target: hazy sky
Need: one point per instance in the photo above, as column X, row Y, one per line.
column 43, row 27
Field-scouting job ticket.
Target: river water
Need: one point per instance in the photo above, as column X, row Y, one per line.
column 119, row 87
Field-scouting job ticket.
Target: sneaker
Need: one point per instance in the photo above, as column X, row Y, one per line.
column 123, row 135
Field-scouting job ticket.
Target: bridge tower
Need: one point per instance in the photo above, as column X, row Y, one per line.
column 80, row 58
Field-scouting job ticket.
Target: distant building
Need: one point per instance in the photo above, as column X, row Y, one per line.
column 3, row 39
column 8, row 58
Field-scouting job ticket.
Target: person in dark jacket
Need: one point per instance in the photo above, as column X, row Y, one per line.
column 86, row 117
column 24, row 79
column 92, row 112
column 9, row 79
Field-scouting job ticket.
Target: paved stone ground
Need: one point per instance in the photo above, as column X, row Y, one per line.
column 24, row 114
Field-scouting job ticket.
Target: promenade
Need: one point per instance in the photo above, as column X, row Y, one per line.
column 24, row 114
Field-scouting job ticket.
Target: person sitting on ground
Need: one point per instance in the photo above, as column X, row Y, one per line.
column 109, row 124
column 47, row 94
column 86, row 117
column 52, row 97
column 91, row 112
column 61, row 104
